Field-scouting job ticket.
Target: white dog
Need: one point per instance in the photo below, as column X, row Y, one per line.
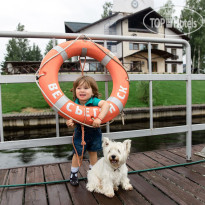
column 111, row 170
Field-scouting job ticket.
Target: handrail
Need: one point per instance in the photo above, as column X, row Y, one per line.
column 188, row 77
column 70, row 36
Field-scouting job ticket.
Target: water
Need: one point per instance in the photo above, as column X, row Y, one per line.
column 63, row 153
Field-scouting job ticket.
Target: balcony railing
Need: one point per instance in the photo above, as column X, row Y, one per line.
column 188, row 77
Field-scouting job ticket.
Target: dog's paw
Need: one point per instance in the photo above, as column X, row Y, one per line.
column 89, row 188
column 128, row 187
column 110, row 195
column 116, row 188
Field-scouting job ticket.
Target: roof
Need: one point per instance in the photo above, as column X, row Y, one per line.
column 161, row 53
column 177, row 31
column 141, row 12
column 74, row 26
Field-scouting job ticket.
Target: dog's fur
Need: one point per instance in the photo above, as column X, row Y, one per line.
column 111, row 170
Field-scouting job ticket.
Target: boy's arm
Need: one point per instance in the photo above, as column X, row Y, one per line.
column 105, row 106
column 70, row 123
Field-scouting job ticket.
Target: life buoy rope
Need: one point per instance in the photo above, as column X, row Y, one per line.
column 48, row 82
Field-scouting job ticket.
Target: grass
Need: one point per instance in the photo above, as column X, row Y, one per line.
column 16, row 97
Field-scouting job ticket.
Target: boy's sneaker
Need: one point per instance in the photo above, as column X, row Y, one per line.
column 74, row 178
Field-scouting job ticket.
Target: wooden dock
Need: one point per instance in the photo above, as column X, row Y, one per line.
column 180, row 185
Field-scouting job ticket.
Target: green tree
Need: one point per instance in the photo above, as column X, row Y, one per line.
column 18, row 49
column 197, row 38
column 50, row 45
column 34, row 53
column 168, row 12
column 107, row 8
column 13, row 51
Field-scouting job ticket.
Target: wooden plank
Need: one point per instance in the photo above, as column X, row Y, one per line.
column 57, row 193
column 176, row 178
column 199, row 168
column 35, row 195
column 145, row 188
column 175, row 158
column 185, row 184
column 101, row 199
column 79, row 194
column 131, row 197
column 182, row 152
column 200, row 146
column 172, row 190
column 141, row 164
column 14, row 195
column 3, row 178
column 197, row 149
column 149, row 192
column 165, row 185
column 186, row 171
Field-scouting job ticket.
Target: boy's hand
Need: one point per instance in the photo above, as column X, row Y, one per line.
column 96, row 122
column 70, row 123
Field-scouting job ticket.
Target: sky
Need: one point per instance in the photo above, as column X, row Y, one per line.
column 50, row 15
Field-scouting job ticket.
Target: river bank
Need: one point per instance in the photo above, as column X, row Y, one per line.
column 47, row 119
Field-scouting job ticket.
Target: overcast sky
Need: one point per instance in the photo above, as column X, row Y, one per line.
column 50, row 15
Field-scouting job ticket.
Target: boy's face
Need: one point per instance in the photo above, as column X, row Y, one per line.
column 83, row 92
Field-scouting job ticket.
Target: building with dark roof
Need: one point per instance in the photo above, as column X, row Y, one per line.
column 165, row 57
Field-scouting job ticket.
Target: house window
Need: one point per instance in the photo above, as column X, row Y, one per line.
column 165, row 68
column 154, row 46
column 93, row 67
column 174, row 68
column 174, row 52
column 137, row 25
column 137, row 66
column 100, row 67
column 137, row 46
column 142, row 46
column 109, row 47
column 134, row 46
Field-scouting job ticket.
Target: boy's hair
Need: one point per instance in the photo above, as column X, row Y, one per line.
column 89, row 81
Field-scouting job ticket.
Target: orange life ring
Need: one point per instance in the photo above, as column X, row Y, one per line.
column 48, row 81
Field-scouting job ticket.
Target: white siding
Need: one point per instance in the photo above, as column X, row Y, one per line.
column 103, row 26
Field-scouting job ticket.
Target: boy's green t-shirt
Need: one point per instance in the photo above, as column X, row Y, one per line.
column 92, row 101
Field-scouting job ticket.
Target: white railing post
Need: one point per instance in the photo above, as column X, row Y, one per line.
column 106, row 92
column 188, row 104
column 1, row 117
column 150, row 85
column 56, row 112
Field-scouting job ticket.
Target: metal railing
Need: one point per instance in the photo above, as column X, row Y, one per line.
column 188, row 77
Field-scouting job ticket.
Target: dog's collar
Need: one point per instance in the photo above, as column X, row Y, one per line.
column 117, row 169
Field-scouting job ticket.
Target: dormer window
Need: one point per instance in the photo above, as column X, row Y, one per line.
column 138, row 23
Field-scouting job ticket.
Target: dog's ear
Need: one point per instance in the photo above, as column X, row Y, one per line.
column 106, row 142
column 127, row 144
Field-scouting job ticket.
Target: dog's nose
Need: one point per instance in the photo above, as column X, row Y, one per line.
column 113, row 156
